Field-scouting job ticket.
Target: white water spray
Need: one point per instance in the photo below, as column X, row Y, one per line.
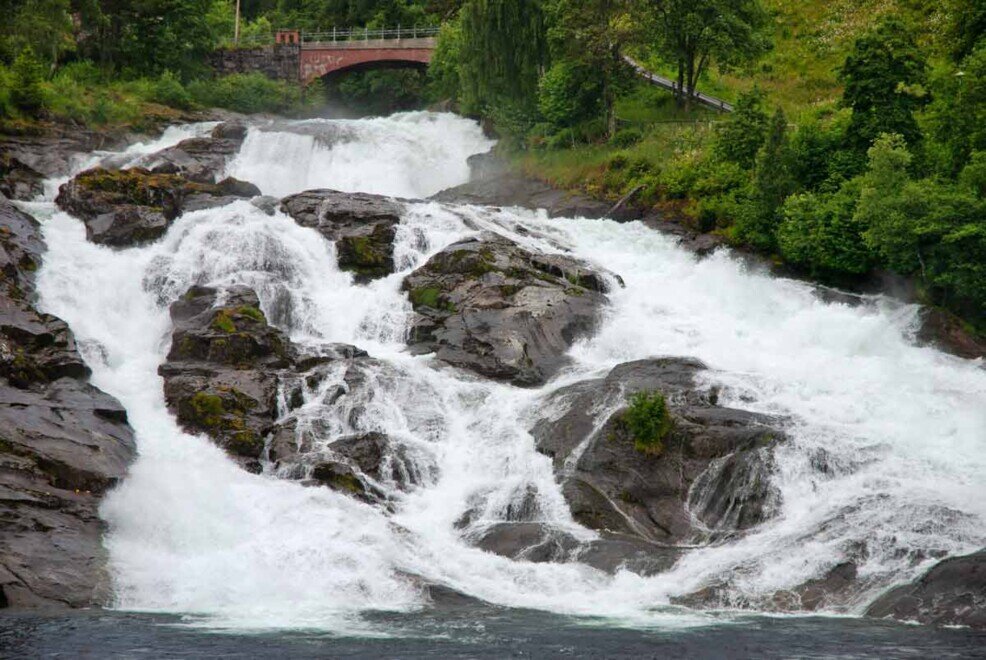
column 900, row 429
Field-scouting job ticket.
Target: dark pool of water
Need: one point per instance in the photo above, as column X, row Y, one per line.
column 481, row 632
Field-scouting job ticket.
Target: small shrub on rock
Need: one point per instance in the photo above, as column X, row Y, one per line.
column 648, row 421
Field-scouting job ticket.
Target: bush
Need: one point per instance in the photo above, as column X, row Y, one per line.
column 83, row 72
column 820, row 233
column 569, row 94
column 168, row 90
column 742, row 135
column 626, row 138
column 247, row 93
column 648, row 421
column 6, row 92
column 28, row 74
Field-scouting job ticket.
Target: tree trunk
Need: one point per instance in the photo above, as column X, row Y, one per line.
column 679, row 93
column 690, row 76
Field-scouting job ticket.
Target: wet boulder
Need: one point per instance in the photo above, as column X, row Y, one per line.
column 18, row 180
column 490, row 306
column 708, row 478
column 220, row 377
column 233, row 377
column 123, row 208
column 493, row 186
column 952, row 593
column 362, row 226
column 64, row 443
column 201, row 159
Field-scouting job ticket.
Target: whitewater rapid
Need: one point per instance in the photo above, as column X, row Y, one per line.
column 887, row 446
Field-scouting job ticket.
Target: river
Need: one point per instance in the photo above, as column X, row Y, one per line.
column 886, row 448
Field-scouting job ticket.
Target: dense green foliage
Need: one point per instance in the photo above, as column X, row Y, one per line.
column 887, row 173
column 104, row 61
column 694, row 34
column 647, row 421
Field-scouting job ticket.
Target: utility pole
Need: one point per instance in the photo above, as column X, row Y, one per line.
column 236, row 30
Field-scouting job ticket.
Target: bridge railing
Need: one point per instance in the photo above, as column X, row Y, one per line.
column 366, row 34
column 336, row 35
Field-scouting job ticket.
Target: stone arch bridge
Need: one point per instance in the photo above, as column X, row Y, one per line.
column 304, row 57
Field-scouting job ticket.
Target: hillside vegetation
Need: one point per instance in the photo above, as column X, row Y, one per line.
column 857, row 144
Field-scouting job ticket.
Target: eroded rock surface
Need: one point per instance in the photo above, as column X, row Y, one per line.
column 490, row 306
column 18, row 180
column 63, row 443
column 201, row 160
column 501, row 188
column 952, row 593
column 712, row 478
column 222, row 378
column 124, row 208
column 362, row 226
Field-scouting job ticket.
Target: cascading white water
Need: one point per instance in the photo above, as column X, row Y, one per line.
column 900, row 429
column 414, row 154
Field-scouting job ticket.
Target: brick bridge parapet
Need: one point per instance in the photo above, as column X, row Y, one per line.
column 300, row 57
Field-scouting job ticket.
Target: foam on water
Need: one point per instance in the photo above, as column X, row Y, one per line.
column 887, row 444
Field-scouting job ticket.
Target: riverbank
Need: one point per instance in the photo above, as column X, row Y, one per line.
column 520, row 181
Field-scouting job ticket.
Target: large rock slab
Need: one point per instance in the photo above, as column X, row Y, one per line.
column 233, row 377
column 201, row 159
column 220, row 377
column 362, row 226
column 490, row 306
column 503, row 188
column 952, row 593
column 124, row 208
column 711, row 480
column 63, row 443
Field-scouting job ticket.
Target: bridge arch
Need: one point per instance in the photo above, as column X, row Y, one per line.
column 320, row 60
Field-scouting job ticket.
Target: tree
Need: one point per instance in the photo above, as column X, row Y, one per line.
column 28, row 72
column 930, row 228
column 772, row 183
column 741, row 136
column 884, row 78
column 504, row 52
column 44, row 26
column 587, row 35
column 694, row 34
column 958, row 114
column 966, row 26
column 821, row 233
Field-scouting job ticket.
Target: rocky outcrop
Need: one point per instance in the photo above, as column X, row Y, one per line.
column 19, row 181
column 53, row 149
column 223, row 376
column 220, row 377
column 710, row 480
column 63, row 443
column 124, row 208
column 952, row 593
column 201, row 159
column 490, row 306
column 362, row 226
column 500, row 188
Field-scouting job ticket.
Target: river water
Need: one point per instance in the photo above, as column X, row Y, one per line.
column 886, row 462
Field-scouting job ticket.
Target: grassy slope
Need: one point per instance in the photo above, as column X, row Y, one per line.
column 811, row 39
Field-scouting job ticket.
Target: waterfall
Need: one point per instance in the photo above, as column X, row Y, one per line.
column 887, row 445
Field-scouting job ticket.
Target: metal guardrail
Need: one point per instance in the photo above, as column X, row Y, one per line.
column 341, row 34
column 670, row 85
column 366, row 34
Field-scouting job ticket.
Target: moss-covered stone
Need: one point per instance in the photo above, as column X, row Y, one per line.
column 223, row 322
